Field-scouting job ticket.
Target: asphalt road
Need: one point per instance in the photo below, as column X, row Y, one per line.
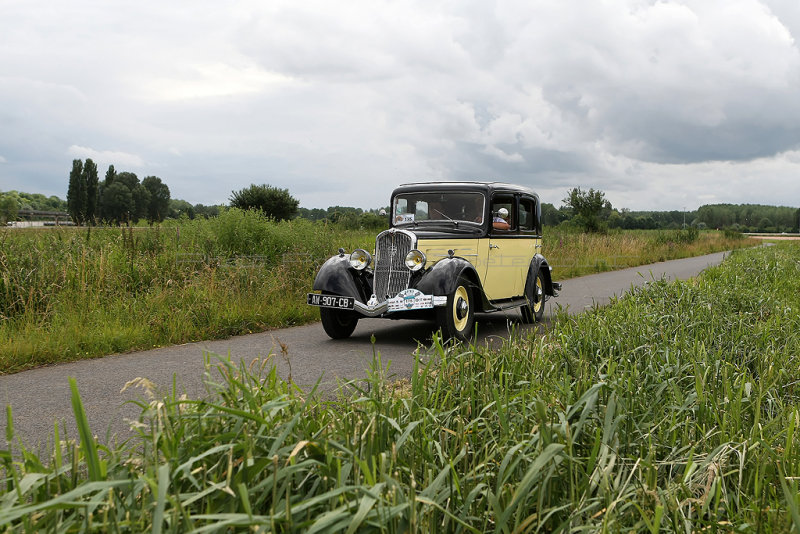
column 41, row 397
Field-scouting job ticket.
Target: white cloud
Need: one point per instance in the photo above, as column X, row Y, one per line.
column 213, row 80
column 106, row 157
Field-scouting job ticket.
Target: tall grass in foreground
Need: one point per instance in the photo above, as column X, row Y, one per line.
column 674, row 409
column 69, row 293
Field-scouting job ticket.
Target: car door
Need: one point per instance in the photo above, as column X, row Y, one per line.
column 530, row 233
column 500, row 252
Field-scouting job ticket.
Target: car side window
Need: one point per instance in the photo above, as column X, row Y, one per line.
column 503, row 217
column 527, row 215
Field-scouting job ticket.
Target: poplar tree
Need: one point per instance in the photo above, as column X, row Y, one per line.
column 92, row 212
column 111, row 174
column 76, row 193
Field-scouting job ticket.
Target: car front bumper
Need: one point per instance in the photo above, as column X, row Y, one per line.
column 406, row 300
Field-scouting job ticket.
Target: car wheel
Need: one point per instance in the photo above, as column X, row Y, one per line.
column 457, row 318
column 338, row 324
column 534, row 293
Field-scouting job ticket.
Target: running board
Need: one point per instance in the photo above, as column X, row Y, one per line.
column 518, row 303
column 509, row 305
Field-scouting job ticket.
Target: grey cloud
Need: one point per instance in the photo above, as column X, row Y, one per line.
column 681, row 85
column 651, row 101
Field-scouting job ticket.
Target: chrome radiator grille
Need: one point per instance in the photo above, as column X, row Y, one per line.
column 391, row 273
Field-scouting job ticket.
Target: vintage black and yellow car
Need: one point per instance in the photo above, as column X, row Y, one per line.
column 452, row 249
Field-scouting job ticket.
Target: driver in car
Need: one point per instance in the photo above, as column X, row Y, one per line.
column 500, row 221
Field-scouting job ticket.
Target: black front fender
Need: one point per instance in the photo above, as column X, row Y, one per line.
column 442, row 278
column 337, row 277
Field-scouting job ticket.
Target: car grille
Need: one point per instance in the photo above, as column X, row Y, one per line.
column 391, row 273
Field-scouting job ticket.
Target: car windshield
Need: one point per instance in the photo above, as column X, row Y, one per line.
column 440, row 207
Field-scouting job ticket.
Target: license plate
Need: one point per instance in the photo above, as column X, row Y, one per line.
column 331, row 301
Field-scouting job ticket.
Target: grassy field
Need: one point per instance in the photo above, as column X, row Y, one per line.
column 674, row 409
column 577, row 254
column 67, row 294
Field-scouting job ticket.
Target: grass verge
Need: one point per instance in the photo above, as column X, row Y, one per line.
column 674, row 409
column 576, row 254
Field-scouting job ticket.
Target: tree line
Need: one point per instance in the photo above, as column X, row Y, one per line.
column 750, row 217
column 348, row 217
column 181, row 208
column 119, row 198
column 11, row 202
column 122, row 198
column 590, row 211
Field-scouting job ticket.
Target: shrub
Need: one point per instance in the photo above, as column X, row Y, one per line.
column 687, row 235
column 272, row 201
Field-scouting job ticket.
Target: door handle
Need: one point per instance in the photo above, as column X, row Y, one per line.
column 491, row 246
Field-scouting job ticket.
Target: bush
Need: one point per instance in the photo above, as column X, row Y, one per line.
column 731, row 233
column 274, row 202
column 687, row 235
column 355, row 221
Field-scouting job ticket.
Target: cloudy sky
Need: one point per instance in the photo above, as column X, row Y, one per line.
column 661, row 104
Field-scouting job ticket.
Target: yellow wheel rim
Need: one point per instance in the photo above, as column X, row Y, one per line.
column 460, row 308
column 537, row 306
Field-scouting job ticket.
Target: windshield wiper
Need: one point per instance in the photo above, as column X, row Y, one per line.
column 446, row 217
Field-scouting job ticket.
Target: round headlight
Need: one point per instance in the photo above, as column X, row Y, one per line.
column 360, row 259
column 415, row 260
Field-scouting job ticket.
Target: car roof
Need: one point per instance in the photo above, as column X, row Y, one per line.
column 489, row 187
